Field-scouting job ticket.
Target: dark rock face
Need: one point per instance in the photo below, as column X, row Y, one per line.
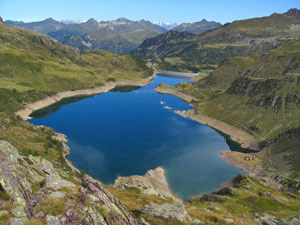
column 225, row 191
column 246, row 86
column 1, row 20
column 262, row 93
column 208, row 197
column 294, row 15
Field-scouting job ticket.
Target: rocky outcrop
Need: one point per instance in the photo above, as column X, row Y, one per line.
column 34, row 190
column 116, row 212
column 167, row 210
column 53, row 180
column 66, row 150
column 154, row 182
column 15, row 182
column 267, row 219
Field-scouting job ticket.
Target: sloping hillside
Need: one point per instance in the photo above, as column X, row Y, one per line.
column 258, row 94
column 34, row 65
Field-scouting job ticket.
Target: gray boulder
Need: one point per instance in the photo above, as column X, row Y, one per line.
column 167, row 210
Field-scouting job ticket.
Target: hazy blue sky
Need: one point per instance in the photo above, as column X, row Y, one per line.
column 166, row 10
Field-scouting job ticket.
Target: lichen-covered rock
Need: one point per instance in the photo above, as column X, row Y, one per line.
column 268, row 219
column 18, row 221
column 52, row 220
column 167, row 210
column 228, row 220
column 53, row 180
column 144, row 222
column 115, row 212
column 58, row 194
column 197, row 222
column 13, row 181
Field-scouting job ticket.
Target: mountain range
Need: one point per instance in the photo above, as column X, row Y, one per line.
column 186, row 51
column 118, row 36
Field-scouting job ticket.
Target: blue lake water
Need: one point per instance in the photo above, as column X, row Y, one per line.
column 127, row 133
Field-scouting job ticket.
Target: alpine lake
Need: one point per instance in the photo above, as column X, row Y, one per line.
column 128, row 131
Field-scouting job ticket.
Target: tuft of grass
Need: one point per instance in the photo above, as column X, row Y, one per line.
column 4, row 196
column 36, row 221
column 51, row 205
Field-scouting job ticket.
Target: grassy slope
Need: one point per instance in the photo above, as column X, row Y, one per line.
column 34, row 65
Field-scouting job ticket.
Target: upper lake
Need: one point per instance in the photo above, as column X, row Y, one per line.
column 127, row 132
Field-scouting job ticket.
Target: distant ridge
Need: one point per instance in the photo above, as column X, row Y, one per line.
column 118, row 36
column 186, row 51
column 198, row 27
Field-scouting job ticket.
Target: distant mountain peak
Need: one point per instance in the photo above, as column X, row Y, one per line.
column 92, row 20
column 293, row 11
column 122, row 19
column 198, row 27
column 50, row 20
column 294, row 14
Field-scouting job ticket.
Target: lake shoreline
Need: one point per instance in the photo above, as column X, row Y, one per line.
column 31, row 107
column 237, row 135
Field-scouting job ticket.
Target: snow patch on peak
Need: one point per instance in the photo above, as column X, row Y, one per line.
column 165, row 24
column 73, row 21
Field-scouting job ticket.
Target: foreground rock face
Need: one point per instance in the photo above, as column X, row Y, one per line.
column 154, row 182
column 270, row 220
column 118, row 213
column 167, row 210
column 34, row 189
